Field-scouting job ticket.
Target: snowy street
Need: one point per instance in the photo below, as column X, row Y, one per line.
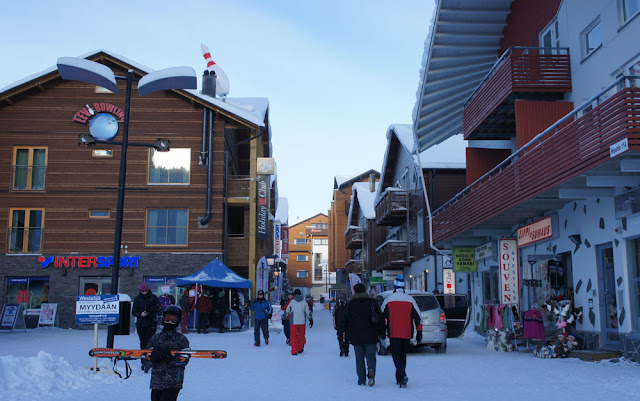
column 51, row 365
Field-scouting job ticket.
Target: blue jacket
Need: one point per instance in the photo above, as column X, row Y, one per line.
column 262, row 309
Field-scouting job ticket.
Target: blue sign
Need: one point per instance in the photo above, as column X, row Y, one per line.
column 101, row 309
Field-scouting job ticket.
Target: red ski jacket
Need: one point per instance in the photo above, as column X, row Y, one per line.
column 401, row 313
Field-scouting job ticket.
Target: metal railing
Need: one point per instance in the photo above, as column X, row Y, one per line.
column 624, row 81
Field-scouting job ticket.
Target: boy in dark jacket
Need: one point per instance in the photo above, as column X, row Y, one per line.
column 363, row 330
column 167, row 374
column 145, row 307
column 338, row 315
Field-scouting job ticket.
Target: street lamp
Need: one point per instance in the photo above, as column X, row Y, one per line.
column 80, row 69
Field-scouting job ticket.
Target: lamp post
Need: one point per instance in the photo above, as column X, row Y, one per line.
column 80, row 69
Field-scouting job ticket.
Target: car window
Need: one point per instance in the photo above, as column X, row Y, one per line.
column 426, row 302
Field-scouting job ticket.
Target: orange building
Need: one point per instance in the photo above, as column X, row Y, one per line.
column 308, row 253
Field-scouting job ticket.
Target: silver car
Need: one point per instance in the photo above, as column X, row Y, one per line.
column 434, row 322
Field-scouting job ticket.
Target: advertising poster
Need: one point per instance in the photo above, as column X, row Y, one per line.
column 9, row 316
column 48, row 314
column 464, row 260
column 285, row 243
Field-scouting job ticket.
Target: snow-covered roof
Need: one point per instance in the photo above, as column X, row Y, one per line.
column 343, row 179
column 282, row 212
column 252, row 110
column 447, row 154
column 365, row 200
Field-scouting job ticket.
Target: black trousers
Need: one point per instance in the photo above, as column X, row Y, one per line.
column 260, row 324
column 399, row 348
column 145, row 334
column 169, row 394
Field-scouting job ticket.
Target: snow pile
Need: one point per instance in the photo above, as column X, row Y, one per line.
column 44, row 374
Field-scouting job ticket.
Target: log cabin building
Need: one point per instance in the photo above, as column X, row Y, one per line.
column 182, row 208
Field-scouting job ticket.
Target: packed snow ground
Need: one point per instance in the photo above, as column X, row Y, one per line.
column 51, row 364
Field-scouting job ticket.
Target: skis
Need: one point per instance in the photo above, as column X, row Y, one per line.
column 145, row 353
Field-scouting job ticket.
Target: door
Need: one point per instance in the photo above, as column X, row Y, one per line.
column 95, row 285
column 607, row 297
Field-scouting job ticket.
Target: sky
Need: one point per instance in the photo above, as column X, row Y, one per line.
column 337, row 73
column 51, row 365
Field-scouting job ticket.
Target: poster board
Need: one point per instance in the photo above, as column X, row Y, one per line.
column 48, row 315
column 12, row 317
column 100, row 309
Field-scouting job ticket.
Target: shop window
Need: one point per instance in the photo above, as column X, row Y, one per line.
column 95, row 285
column 302, row 258
column 491, row 286
column 164, row 285
column 627, row 9
column 167, row 227
column 169, row 168
column 29, row 168
column 25, row 232
column 634, row 281
column 302, row 274
column 30, row 292
column 235, row 222
column 320, row 241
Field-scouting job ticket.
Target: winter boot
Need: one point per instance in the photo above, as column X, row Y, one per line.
column 403, row 383
column 371, row 375
column 256, row 344
column 266, row 341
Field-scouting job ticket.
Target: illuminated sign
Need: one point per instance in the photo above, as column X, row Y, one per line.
column 87, row 262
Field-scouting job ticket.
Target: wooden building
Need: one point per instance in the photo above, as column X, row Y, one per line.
column 59, row 199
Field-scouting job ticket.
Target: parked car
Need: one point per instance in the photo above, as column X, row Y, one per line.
column 457, row 311
column 434, row 322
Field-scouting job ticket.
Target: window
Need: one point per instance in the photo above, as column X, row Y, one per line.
column 420, row 225
column 302, row 274
column 99, row 214
column 634, row 281
column 100, row 89
column 299, row 241
column 627, row 9
column 29, row 168
column 317, row 273
column 26, row 230
column 30, row 292
column 235, row 222
column 320, row 241
column 320, row 225
column 170, row 167
column 302, row 258
column 591, row 38
column 167, row 227
column 550, row 38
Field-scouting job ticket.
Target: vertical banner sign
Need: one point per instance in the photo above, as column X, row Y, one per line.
column 509, row 271
column 277, row 239
column 449, row 281
column 464, row 260
column 285, row 243
column 262, row 183
column 262, row 275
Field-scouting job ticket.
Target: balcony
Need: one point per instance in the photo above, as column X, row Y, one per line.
column 391, row 208
column 354, row 266
column 570, row 160
column 392, row 254
column 354, row 237
column 239, row 187
column 521, row 72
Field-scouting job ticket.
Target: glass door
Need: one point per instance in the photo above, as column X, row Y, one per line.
column 607, row 299
column 95, row 286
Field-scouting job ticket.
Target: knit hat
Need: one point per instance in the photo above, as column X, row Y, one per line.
column 398, row 282
column 144, row 287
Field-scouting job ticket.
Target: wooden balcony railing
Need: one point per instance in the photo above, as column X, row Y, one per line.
column 392, row 254
column 354, row 237
column 239, row 186
column 354, row 266
column 572, row 146
column 520, row 69
column 392, row 206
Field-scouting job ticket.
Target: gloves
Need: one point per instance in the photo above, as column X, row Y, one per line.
column 270, row 315
column 160, row 354
column 310, row 323
column 419, row 336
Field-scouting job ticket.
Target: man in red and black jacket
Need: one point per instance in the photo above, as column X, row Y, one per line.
column 401, row 313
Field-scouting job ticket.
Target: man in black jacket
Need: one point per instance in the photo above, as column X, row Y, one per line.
column 145, row 307
column 338, row 315
column 362, row 323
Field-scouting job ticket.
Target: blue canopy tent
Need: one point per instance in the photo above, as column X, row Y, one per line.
column 215, row 274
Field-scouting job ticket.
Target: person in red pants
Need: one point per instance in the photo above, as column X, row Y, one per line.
column 298, row 312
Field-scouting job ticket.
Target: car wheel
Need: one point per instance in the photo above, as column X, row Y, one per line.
column 441, row 348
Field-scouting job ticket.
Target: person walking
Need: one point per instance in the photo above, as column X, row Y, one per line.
column 203, row 306
column 285, row 318
column 167, row 374
column 401, row 313
column 145, row 307
column 363, row 323
column 185, row 305
column 298, row 312
column 338, row 315
column 262, row 313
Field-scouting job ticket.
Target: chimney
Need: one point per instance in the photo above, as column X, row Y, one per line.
column 209, row 83
column 372, row 182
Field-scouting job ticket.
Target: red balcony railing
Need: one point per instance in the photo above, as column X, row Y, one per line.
column 392, row 254
column 520, row 69
column 354, row 237
column 567, row 149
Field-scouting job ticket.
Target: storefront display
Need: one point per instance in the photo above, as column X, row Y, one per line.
column 29, row 292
